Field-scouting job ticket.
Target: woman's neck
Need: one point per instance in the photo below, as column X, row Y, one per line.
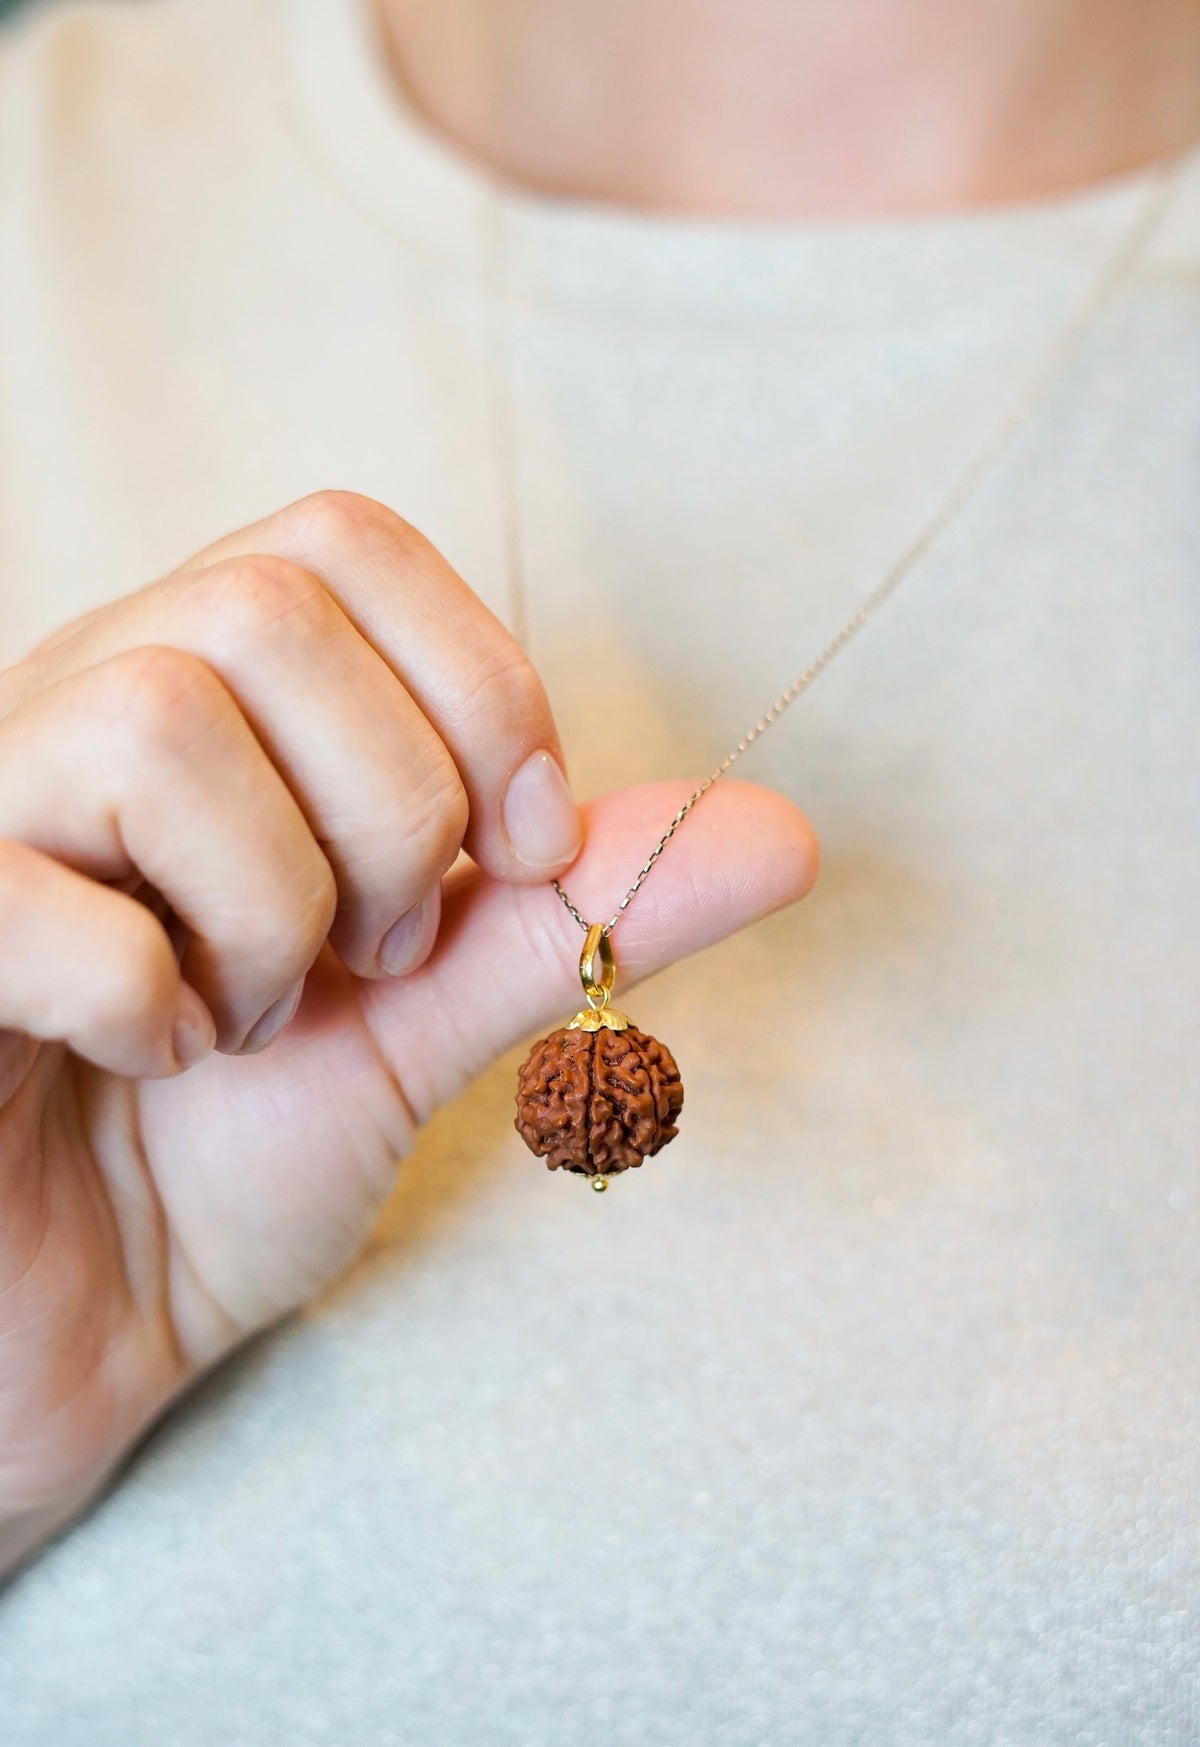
column 803, row 108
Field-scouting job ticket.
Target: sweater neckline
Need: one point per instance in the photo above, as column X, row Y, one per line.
column 607, row 259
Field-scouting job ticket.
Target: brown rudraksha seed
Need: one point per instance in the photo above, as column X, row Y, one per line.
column 598, row 1101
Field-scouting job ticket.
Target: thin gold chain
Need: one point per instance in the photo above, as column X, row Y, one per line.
column 1116, row 267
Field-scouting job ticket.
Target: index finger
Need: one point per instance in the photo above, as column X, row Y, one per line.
column 466, row 670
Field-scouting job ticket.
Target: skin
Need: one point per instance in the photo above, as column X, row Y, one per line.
column 217, row 790
column 220, row 794
column 796, row 109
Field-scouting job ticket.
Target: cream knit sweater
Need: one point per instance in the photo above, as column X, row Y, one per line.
column 868, row 1412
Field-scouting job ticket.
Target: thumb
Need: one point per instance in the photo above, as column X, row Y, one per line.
column 507, row 957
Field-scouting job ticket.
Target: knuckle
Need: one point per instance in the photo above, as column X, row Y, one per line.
column 338, row 518
column 503, row 689
column 247, row 598
column 434, row 818
column 159, row 695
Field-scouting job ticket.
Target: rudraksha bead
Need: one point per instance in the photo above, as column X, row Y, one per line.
column 598, row 1100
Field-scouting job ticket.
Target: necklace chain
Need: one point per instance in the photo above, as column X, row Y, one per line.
column 1117, row 265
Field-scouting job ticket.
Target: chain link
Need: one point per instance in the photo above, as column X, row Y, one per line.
column 760, row 727
column 1115, row 268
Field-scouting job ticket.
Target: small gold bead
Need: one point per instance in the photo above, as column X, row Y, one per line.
column 599, row 1184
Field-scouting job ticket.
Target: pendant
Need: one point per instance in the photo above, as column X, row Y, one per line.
column 598, row 1096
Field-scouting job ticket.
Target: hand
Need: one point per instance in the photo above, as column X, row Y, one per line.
column 234, row 979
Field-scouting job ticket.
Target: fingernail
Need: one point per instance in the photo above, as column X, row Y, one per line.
column 540, row 818
column 273, row 1021
column 408, row 941
column 194, row 1033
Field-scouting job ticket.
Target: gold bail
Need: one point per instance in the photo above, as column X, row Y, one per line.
column 596, row 989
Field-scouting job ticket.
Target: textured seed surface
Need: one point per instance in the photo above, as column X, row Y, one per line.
column 598, row 1101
